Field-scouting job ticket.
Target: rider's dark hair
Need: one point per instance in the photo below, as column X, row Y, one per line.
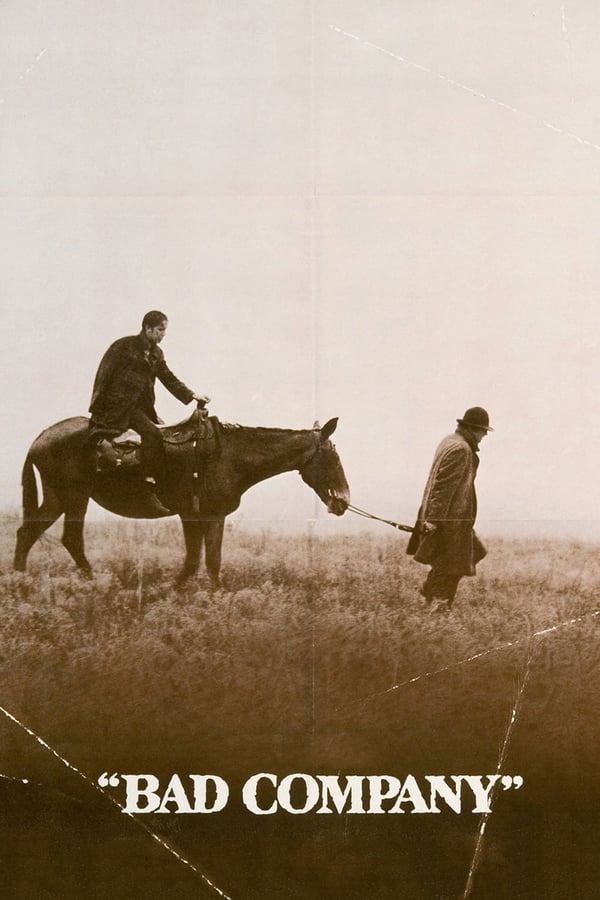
column 153, row 318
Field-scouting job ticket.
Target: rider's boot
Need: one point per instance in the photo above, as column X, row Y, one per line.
column 153, row 505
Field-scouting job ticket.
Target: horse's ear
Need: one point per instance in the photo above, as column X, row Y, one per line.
column 328, row 429
column 316, row 425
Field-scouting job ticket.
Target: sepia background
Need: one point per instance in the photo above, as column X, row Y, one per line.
column 383, row 211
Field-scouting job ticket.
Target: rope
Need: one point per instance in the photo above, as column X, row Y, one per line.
column 368, row 515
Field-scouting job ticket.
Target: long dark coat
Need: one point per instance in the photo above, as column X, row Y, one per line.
column 125, row 381
column 449, row 501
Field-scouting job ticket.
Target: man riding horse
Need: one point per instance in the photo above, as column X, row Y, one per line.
column 123, row 397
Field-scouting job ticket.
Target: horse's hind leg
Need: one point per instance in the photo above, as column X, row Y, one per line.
column 34, row 525
column 72, row 538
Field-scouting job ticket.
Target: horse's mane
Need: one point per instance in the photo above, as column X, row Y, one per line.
column 262, row 429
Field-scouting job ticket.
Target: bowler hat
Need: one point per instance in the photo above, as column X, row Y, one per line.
column 476, row 417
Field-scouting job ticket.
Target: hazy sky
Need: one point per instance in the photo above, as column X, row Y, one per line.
column 385, row 211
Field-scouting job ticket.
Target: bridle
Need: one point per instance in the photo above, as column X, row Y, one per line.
column 321, row 446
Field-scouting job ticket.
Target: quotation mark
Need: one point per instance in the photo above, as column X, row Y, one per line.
column 515, row 781
column 107, row 780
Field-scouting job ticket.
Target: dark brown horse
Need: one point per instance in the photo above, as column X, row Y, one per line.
column 246, row 456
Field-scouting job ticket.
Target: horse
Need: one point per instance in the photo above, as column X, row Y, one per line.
column 201, row 491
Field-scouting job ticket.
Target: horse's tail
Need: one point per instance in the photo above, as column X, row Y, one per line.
column 30, row 491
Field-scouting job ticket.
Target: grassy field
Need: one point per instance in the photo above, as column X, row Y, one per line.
column 299, row 664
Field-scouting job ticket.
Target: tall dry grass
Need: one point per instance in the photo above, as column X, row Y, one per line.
column 317, row 656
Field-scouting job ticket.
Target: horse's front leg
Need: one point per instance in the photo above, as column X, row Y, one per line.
column 193, row 534
column 214, row 543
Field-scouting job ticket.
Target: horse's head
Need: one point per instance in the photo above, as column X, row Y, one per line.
column 323, row 471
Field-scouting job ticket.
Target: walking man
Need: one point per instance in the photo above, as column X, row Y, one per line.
column 123, row 396
column 444, row 537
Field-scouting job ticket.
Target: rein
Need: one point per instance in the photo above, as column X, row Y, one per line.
column 368, row 515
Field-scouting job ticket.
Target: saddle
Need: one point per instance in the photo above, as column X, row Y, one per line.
column 200, row 433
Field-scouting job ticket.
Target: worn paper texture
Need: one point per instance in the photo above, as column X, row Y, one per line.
column 381, row 212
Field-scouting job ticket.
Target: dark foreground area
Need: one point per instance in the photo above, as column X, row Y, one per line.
column 318, row 657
